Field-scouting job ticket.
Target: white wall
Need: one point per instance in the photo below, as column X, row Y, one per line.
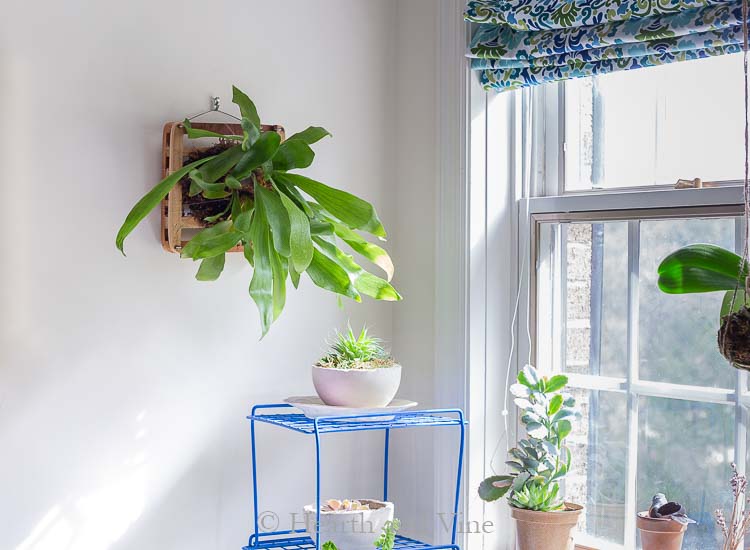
column 124, row 382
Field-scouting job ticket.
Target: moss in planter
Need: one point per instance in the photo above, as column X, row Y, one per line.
column 734, row 338
column 198, row 206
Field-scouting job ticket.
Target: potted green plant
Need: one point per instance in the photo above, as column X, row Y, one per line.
column 351, row 524
column 356, row 372
column 386, row 540
column 698, row 268
column 286, row 223
column 538, row 464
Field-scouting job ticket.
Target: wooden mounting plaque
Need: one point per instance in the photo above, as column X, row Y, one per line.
column 173, row 218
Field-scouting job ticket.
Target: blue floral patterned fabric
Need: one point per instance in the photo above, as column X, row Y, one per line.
column 522, row 43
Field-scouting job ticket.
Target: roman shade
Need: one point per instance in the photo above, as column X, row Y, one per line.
column 521, row 43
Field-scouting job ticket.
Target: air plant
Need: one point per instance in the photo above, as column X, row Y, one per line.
column 699, row 268
column 541, row 460
column 286, row 223
column 351, row 351
column 739, row 522
column 663, row 508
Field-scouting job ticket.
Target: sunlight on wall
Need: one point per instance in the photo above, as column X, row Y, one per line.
column 97, row 520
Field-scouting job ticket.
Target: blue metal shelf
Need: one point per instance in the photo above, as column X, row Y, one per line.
column 306, row 543
column 296, row 540
column 378, row 421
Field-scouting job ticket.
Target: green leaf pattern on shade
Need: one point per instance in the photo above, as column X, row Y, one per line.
column 281, row 232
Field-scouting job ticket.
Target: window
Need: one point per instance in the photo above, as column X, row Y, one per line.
column 662, row 410
column 655, row 126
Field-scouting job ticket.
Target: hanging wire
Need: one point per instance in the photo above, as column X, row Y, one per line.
column 215, row 108
column 746, row 186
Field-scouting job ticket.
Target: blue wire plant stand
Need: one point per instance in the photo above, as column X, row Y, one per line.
column 298, row 539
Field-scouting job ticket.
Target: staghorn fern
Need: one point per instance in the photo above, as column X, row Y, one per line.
column 288, row 224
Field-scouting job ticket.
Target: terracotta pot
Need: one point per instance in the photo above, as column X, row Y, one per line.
column 659, row 533
column 546, row 530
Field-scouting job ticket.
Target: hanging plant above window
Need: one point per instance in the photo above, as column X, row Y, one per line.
column 285, row 223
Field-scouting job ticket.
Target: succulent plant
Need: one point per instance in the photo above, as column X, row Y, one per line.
column 349, row 351
column 541, row 460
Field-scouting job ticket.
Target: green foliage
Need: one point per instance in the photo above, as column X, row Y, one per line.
column 283, row 234
column 541, row 460
column 700, row 268
column 387, row 539
column 351, row 351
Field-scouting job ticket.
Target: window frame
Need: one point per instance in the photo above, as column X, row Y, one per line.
column 712, row 204
column 548, row 200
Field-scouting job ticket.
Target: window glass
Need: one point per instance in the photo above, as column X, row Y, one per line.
column 684, row 451
column 677, row 341
column 596, row 298
column 685, row 439
column 655, row 126
column 598, row 470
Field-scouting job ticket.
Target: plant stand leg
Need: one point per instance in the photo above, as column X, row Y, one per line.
column 385, row 464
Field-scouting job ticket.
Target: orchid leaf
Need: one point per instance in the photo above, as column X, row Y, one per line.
column 700, row 268
column 726, row 303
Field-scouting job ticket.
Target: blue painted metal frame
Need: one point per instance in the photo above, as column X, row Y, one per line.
column 286, row 540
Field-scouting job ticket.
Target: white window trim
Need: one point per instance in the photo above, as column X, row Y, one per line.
column 483, row 250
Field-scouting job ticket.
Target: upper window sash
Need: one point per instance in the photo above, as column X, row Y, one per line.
column 545, row 108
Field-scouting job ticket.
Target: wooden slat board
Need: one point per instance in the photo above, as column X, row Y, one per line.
column 173, row 152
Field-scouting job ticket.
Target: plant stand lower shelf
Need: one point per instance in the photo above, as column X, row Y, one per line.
column 298, row 539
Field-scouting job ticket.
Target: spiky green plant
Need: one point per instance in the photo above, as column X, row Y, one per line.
column 288, row 224
column 349, row 351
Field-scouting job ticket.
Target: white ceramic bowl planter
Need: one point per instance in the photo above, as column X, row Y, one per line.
column 350, row 529
column 357, row 373
column 357, row 388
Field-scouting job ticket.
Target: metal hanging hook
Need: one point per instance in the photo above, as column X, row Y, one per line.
column 215, row 108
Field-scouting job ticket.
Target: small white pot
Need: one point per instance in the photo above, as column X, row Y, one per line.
column 352, row 529
column 357, row 388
